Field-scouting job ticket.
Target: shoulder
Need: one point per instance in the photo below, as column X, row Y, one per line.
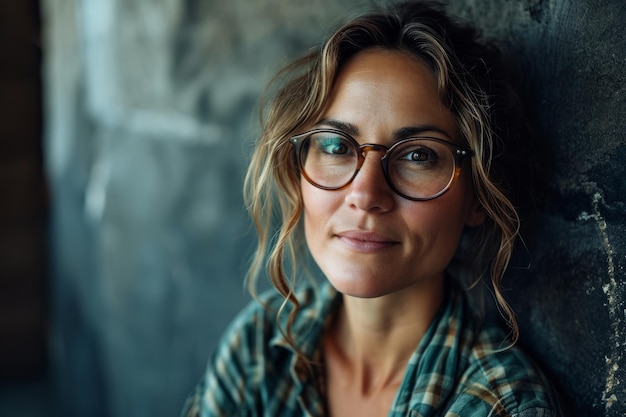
column 257, row 327
column 503, row 380
column 255, row 339
column 262, row 317
column 252, row 362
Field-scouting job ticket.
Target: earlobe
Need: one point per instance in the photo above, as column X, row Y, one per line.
column 476, row 215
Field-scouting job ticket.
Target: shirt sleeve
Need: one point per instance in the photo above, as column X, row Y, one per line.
column 214, row 396
column 535, row 412
column 226, row 389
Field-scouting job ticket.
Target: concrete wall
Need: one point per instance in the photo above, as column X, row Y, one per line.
column 150, row 111
column 571, row 302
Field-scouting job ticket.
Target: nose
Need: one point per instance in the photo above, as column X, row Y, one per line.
column 369, row 191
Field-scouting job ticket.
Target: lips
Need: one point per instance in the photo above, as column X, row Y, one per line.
column 364, row 241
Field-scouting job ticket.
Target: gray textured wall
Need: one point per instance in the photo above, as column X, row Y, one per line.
column 150, row 113
column 571, row 303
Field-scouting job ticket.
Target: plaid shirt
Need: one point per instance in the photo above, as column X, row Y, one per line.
column 457, row 369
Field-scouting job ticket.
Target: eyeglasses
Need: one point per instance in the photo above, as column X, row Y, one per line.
column 418, row 168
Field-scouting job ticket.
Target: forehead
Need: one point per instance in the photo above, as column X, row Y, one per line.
column 381, row 91
column 394, row 62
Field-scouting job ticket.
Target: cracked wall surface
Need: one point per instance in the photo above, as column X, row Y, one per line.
column 150, row 113
column 571, row 302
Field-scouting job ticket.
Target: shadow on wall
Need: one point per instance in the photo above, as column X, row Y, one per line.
column 24, row 388
column 149, row 116
column 571, row 302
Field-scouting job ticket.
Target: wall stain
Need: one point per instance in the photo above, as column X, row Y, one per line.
column 615, row 305
column 537, row 9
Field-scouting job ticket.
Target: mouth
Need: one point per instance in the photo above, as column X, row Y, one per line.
column 366, row 242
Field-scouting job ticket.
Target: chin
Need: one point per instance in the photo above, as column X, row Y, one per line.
column 361, row 287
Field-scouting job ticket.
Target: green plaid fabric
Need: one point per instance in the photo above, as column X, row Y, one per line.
column 458, row 369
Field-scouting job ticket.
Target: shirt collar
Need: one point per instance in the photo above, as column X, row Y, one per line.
column 319, row 305
column 442, row 354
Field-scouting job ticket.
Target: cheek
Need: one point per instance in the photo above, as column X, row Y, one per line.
column 438, row 223
column 318, row 205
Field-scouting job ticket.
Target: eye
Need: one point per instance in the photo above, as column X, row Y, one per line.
column 420, row 154
column 331, row 145
column 334, row 146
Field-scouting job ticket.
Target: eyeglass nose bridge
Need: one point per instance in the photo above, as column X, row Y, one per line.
column 368, row 147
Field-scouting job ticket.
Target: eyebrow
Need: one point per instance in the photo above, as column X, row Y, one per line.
column 399, row 134
column 346, row 127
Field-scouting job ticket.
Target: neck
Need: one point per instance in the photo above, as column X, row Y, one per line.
column 376, row 337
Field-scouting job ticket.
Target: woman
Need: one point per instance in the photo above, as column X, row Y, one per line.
column 384, row 149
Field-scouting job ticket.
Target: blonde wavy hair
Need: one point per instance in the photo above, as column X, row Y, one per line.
column 471, row 83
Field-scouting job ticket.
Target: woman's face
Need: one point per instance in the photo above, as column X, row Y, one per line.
column 366, row 239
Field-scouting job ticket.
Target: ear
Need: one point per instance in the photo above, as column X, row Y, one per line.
column 476, row 215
